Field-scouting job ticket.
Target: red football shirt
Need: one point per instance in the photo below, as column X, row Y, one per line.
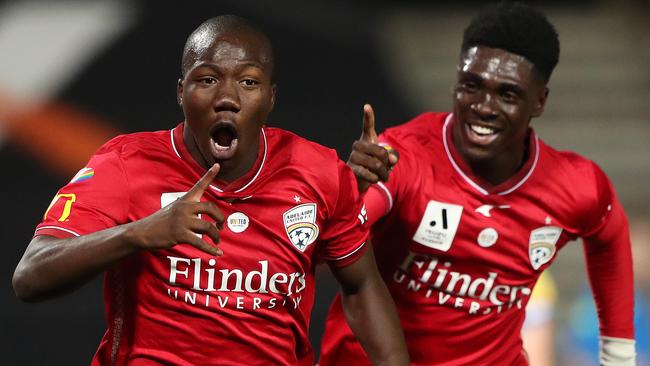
column 460, row 256
column 297, row 206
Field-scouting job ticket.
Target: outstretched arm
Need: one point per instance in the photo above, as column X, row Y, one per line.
column 53, row 266
column 370, row 311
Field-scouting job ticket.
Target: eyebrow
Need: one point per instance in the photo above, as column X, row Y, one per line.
column 503, row 85
column 243, row 65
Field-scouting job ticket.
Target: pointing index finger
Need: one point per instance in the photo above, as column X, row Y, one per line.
column 196, row 192
column 368, row 133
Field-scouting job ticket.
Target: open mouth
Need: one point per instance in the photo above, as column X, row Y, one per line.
column 223, row 140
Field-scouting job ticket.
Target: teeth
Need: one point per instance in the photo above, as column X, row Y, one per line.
column 482, row 130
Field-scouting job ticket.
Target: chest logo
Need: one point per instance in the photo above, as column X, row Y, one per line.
column 487, row 237
column 485, row 209
column 541, row 246
column 238, row 222
column 438, row 225
column 300, row 225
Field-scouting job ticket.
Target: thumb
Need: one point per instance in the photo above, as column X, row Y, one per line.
column 196, row 192
column 368, row 133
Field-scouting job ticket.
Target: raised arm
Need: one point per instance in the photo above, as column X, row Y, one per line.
column 370, row 311
column 53, row 266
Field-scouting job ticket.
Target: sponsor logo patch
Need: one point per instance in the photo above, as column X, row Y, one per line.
column 438, row 225
column 300, row 225
column 541, row 246
column 238, row 222
column 487, row 237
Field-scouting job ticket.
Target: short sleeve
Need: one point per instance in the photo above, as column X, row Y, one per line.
column 347, row 231
column 96, row 198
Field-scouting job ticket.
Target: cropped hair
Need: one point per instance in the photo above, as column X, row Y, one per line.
column 519, row 29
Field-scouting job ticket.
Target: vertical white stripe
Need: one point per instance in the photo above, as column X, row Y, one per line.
column 388, row 195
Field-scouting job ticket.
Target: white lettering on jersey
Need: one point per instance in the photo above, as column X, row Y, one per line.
column 438, row 225
column 419, row 272
column 363, row 215
column 541, row 246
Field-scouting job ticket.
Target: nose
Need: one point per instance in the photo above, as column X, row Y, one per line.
column 227, row 97
column 484, row 107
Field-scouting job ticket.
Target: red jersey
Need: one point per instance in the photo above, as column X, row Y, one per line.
column 297, row 206
column 460, row 256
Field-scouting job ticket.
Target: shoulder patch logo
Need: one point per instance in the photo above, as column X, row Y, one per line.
column 300, row 225
column 541, row 246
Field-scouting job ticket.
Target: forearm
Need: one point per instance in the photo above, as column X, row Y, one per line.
column 52, row 266
column 370, row 312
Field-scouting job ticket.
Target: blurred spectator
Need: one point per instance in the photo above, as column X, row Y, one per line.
column 538, row 331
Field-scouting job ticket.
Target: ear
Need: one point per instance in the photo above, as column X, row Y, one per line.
column 179, row 92
column 273, row 88
column 540, row 102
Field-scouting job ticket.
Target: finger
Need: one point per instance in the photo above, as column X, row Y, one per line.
column 203, row 227
column 196, row 192
column 377, row 165
column 210, row 209
column 363, row 174
column 196, row 242
column 368, row 133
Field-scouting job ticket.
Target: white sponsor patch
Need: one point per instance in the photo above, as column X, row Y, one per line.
column 487, row 237
column 300, row 225
column 438, row 225
column 541, row 246
column 238, row 222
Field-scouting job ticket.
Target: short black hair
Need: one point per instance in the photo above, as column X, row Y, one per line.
column 214, row 26
column 516, row 28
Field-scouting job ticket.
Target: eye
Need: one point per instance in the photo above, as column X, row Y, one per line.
column 509, row 97
column 468, row 86
column 208, row 80
column 249, row 83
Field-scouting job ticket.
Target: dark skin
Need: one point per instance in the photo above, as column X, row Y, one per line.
column 228, row 84
column 496, row 96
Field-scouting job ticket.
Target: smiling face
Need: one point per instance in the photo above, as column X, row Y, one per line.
column 226, row 94
column 496, row 96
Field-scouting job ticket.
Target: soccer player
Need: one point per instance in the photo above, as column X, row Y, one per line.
column 209, row 233
column 478, row 206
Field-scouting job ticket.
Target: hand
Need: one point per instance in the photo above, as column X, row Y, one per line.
column 370, row 161
column 178, row 222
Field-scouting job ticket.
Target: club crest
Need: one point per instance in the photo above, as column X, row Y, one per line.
column 541, row 246
column 300, row 225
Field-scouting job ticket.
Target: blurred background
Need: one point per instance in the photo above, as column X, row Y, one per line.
column 75, row 73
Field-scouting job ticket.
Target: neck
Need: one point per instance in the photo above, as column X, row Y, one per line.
column 497, row 168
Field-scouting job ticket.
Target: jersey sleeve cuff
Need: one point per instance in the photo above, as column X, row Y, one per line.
column 349, row 258
column 617, row 351
column 55, row 231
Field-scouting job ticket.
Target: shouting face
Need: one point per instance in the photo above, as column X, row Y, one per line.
column 226, row 94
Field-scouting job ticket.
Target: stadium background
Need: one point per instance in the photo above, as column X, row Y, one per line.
column 75, row 73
